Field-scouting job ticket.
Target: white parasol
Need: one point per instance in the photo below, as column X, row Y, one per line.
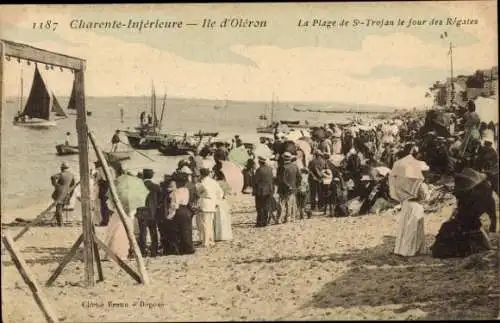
column 406, row 177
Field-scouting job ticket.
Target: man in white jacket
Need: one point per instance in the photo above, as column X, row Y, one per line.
column 210, row 193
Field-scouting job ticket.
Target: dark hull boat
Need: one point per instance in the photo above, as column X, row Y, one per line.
column 174, row 149
column 139, row 140
column 65, row 150
column 182, row 145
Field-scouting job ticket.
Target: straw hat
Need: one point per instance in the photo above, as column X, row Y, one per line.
column 186, row 170
column 261, row 159
column 171, row 186
column 64, row 165
column 287, row 156
column 468, row 179
column 366, row 178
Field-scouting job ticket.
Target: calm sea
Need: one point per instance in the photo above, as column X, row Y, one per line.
column 29, row 156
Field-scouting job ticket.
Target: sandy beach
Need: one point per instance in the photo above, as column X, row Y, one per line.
column 316, row 269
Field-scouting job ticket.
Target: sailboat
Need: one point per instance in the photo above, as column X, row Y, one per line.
column 37, row 112
column 270, row 124
column 72, row 102
column 148, row 135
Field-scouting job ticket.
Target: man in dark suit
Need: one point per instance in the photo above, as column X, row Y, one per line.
column 288, row 181
column 263, row 189
column 63, row 183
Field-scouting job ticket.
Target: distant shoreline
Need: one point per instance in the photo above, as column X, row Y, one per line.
column 333, row 107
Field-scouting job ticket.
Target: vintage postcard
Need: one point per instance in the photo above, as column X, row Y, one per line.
column 249, row 161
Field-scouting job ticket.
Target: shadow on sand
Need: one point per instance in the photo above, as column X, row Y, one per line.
column 442, row 289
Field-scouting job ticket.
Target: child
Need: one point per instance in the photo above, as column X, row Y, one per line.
column 303, row 193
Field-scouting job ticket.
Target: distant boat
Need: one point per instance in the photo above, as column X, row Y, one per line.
column 39, row 106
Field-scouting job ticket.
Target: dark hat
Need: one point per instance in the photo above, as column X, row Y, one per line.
column 64, row 165
column 147, row 173
column 204, row 172
column 468, row 179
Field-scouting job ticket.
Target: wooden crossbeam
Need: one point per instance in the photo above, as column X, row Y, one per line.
column 65, row 261
column 38, row 55
column 118, row 260
column 29, row 279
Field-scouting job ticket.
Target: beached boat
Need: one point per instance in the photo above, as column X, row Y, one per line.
column 118, row 155
column 65, row 150
column 181, row 145
column 41, row 107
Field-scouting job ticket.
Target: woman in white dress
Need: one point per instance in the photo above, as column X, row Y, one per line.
column 410, row 236
column 222, row 219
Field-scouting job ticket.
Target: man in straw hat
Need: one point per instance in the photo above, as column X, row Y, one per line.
column 462, row 234
column 288, row 181
column 263, row 190
column 63, row 183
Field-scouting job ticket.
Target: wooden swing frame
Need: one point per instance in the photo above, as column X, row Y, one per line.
column 91, row 243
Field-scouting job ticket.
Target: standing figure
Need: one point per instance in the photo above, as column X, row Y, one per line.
column 303, row 194
column 210, row 193
column 68, row 138
column 63, row 183
column 115, row 140
column 122, row 113
column 150, row 120
column 181, row 215
column 146, row 217
column 288, row 181
column 142, row 117
column 315, row 181
column 263, row 190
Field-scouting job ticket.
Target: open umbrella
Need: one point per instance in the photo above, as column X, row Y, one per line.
column 131, row 191
column 262, row 150
column 233, row 175
column 239, row 156
column 487, row 109
column 406, row 177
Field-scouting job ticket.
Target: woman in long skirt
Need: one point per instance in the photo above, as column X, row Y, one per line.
column 222, row 219
column 410, row 236
column 180, row 229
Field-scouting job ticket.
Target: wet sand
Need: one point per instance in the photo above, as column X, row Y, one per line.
column 316, row 269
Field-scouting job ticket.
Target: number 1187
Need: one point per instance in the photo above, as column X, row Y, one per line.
column 46, row 25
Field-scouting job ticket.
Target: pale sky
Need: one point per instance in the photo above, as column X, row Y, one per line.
column 366, row 65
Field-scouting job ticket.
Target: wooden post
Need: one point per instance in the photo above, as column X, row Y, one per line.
column 83, row 148
column 121, row 212
column 2, row 105
column 29, row 279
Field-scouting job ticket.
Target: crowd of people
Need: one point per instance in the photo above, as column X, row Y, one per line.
column 336, row 170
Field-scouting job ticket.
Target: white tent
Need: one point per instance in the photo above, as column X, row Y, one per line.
column 487, row 109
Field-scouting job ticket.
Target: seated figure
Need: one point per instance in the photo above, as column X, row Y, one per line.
column 461, row 235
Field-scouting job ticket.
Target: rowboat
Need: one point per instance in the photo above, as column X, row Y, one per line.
column 65, row 150
column 118, row 155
